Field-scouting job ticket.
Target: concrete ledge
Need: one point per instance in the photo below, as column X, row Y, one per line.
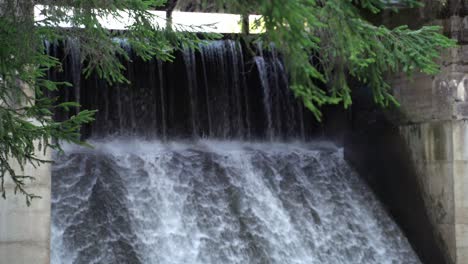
column 462, row 235
column 382, row 156
column 31, row 226
column 462, row 255
column 24, row 253
column 437, row 183
column 447, row 233
column 460, row 141
column 25, row 231
column 429, row 141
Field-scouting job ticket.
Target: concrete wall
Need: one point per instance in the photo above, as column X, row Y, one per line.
column 416, row 157
column 376, row 148
column 439, row 152
column 25, row 231
column 433, row 121
column 431, row 131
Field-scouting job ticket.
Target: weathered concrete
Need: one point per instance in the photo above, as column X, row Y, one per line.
column 382, row 156
column 431, row 145
column 433, row 121
column 25, row 231
column 426, row 188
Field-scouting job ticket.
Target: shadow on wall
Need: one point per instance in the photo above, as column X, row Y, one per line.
column 374, row 147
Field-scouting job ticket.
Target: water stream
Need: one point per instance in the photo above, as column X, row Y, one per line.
column 208, row 160
column 133, row 201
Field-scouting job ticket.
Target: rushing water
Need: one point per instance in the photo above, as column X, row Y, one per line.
column 132, row 201
column 179, row 174
column 219, row 91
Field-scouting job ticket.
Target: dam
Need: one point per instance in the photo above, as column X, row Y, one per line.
column 205, row 161
column 211, row 158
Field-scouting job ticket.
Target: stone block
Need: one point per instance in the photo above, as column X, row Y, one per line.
column 23, row 253
column 460, row 179
column 455, row 59
column 17, row 202
column 440, row 196
column 40, row 173
column 21, row 223
column 460, row 140
column 415, row 97
column 458, row 26
column 444, row 93
column 447, row 233
column 429, row 141
column 461, row 232
column 434, row 123
column 462, row 255
column 460, row 110
column 25, row 231
column 25, row 226
column 425, row 99
column 438, row 141
column 461, row 215
column 464, row 30
column 454, row 24
column 414, row 138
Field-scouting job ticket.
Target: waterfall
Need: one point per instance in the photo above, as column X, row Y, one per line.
column 73, row 48
column 262, row 72
column 209, row 113
column 208, row 159
column 134, row 201
column 216, row 91
column 244, row 93
column 162, row 102
column 189, row 59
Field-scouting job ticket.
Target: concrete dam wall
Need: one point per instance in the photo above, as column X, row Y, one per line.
column 225, row 101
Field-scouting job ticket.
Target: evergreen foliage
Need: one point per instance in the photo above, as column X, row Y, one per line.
column 344, row 46
column 26, row 123
column 342, row 43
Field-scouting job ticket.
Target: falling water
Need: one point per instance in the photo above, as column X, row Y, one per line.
column 75, row 60
column 189, row 59
column 188, row 167
column 244, row 94
column 217, row 91
column 133, row 201
column 162, row 101
column 204, row 58
column 262, row 72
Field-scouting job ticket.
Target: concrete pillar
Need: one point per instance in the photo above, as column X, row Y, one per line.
column 434, row 123
column 25, row 231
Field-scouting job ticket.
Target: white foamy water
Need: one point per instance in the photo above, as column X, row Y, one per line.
column 132, row 201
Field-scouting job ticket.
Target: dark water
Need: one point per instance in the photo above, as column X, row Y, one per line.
column 220, row 92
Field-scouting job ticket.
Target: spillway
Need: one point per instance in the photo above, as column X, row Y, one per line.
column 133, row 201
column 209, row 159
